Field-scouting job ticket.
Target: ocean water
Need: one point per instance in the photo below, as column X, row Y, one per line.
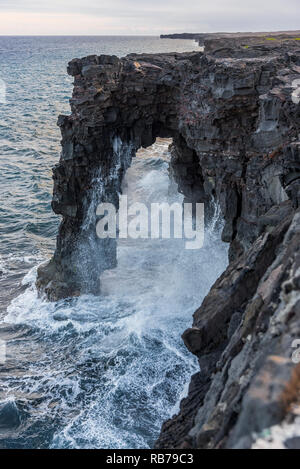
column 90, row 372
column 38, row 89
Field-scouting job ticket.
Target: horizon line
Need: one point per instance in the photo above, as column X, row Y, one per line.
column 149, row 35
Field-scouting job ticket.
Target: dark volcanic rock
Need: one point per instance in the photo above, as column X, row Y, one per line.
column 9, row 416
column 234, row 117
column 293, row 443
column 180, row 36
column 234, row 125
column 249, row 371
column 234, row 41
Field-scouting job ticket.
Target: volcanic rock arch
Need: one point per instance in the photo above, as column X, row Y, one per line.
column 235, row 125
column 224, row 119
column 118, row 106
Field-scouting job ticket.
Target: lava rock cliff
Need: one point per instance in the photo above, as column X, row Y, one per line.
column 233, row 113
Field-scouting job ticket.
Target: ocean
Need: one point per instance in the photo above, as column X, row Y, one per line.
column 90, row 372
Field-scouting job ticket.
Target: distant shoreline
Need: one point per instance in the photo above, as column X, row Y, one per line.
column 212, row 40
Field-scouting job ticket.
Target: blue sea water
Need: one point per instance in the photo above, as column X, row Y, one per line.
column 38, row 89
column 88, row 372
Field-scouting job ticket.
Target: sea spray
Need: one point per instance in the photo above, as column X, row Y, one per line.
column 113, row 368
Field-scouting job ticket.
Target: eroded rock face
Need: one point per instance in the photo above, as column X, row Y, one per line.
column 235, row 123
column 243, row 335
column 235, row 130
column 248, row 362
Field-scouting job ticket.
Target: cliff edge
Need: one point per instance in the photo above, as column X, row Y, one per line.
column 234, row 116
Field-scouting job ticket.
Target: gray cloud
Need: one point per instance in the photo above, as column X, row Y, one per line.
column 155, row 16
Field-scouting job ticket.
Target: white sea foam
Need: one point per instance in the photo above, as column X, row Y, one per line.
column 115, row 366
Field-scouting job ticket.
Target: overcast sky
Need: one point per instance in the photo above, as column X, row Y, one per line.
column 104, row 17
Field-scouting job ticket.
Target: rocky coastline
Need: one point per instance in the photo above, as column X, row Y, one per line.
column 234, row 115
column 242, row 38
